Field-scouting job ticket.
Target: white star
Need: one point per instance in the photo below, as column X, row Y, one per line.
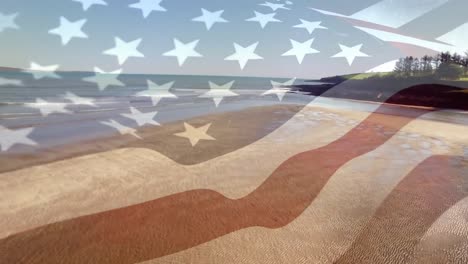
column 243, row 55
column 105, row 79
column 123, row 50
column 47, row 108
column 309, row 25
column 148, row 6
column 274, row 6
column 78, row 100
column 68, row 30
column 300, row 49
column 183, row 51
column 40, row 72
column 263, row 19
column 121, row 128
column 210, row 18
column 350, row 53
column 86, row 4
column 157, row 92
column 280, row 89
column 8, row 21
column 8, row 137
column 194, row 135
column 142, row 118
column 218, row 92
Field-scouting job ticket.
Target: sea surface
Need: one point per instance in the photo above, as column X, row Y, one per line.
column 18, row 90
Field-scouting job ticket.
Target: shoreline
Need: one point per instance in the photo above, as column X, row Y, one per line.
column 265, row 118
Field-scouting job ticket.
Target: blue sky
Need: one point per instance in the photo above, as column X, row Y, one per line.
column 31, row 42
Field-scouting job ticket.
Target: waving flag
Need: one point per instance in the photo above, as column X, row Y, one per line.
column 190, row 132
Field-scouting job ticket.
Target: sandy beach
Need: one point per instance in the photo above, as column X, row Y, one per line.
column 119, row 172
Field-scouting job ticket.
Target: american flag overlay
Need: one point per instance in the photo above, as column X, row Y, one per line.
column 281, row 131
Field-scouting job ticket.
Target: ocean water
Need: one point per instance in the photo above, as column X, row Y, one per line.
column 20, row 89
column 30, row 88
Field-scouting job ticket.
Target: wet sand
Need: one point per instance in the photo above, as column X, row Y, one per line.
column 253, row 124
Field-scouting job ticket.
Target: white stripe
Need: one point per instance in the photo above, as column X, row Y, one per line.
column 384, row 67
column 457, row 37
column 446, row 238
column 396, row 13
column 391, row 13
column 394, row 37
